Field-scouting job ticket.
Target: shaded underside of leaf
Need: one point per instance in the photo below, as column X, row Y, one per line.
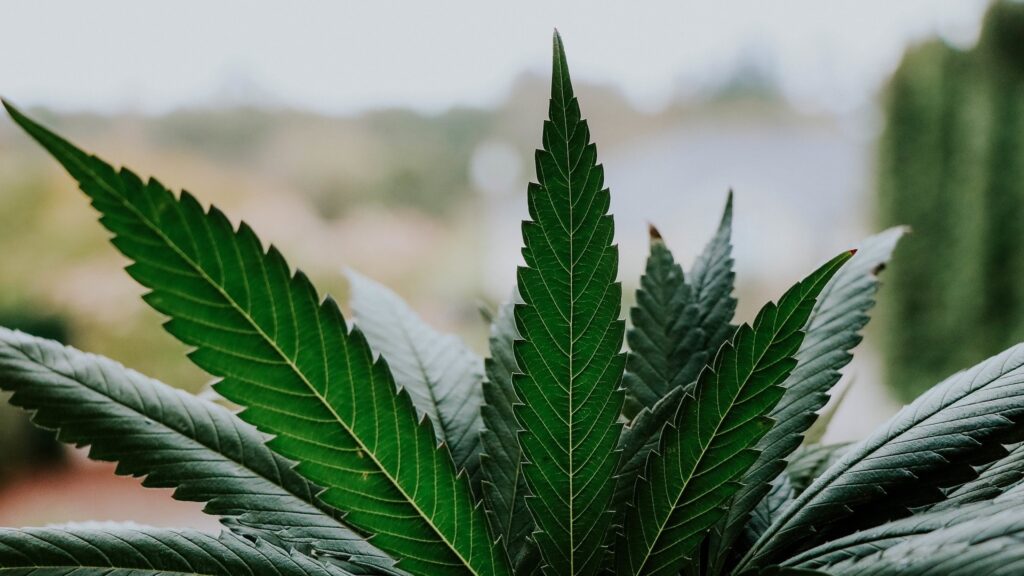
column 992, row 545
column 768, row 509
column 873, row 540
column 291, row 361
column 177, row 441
column 810, row 461
column 440, row 373
column 934, row 443
column 145, row 552
column 832, row 331
column 709, row 444
column 570, row 355
column 995, row 479
column 504, row 487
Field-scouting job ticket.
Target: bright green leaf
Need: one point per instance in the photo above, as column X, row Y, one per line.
column 292, row 362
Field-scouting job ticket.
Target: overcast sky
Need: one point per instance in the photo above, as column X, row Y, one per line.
column 341, row 57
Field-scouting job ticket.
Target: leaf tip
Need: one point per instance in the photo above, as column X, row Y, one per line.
column 852, row 251
column 654, row 233
column 14, row 113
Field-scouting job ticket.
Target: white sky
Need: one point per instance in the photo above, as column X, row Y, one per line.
column 341, row 57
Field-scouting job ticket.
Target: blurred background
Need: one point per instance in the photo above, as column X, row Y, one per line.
column 397, row 140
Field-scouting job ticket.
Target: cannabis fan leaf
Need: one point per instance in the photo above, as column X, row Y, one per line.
column 441, row 374
column 292, row 362
column 707, row 444
column 569, row 355
column 388, row 447
column 176, row 441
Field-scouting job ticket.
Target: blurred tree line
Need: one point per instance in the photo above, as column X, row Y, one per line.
column 951, row 165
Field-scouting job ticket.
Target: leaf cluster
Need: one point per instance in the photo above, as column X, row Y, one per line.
column 383, row 446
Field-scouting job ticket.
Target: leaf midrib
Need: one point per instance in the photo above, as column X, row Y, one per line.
column 572, row 318
column 280, row 352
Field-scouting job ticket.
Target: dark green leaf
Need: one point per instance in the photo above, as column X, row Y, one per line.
column 666, row 344
column 572, row 336
column 710, row 442
column 636, row 443
column 810, row 461
column 768, row 509
column 292, row 362
column 833, row 330
column 931, row 444
column 995, row 479
column 991, row 545
column 177, row 441
column 504, row 487
column 145, row 552
column 867, row 542
column 711, row 281
column 441, row 373
column 677, row 328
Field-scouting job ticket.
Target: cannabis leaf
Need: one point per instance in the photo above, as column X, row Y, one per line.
column 75, row 551
column 292, row 362
column 636, row 443
column 867, row 542
column 665, row 341
column 989, row 545
column 833, row 330
column 708, row 445
column 995, row 479
column 712, row 279
column 928, row 445
column 572, row 336
column 810, row 461
column 441, row 373
column 177, row 441
column 677, row 329
column 504, row 487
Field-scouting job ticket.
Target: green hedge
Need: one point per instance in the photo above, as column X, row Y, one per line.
column 951, row 165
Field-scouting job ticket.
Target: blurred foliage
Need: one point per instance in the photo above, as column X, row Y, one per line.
column 951, row 165
column 386, row 185
column 22, row 444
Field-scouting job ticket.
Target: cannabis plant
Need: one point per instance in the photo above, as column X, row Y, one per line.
column 385, row 447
